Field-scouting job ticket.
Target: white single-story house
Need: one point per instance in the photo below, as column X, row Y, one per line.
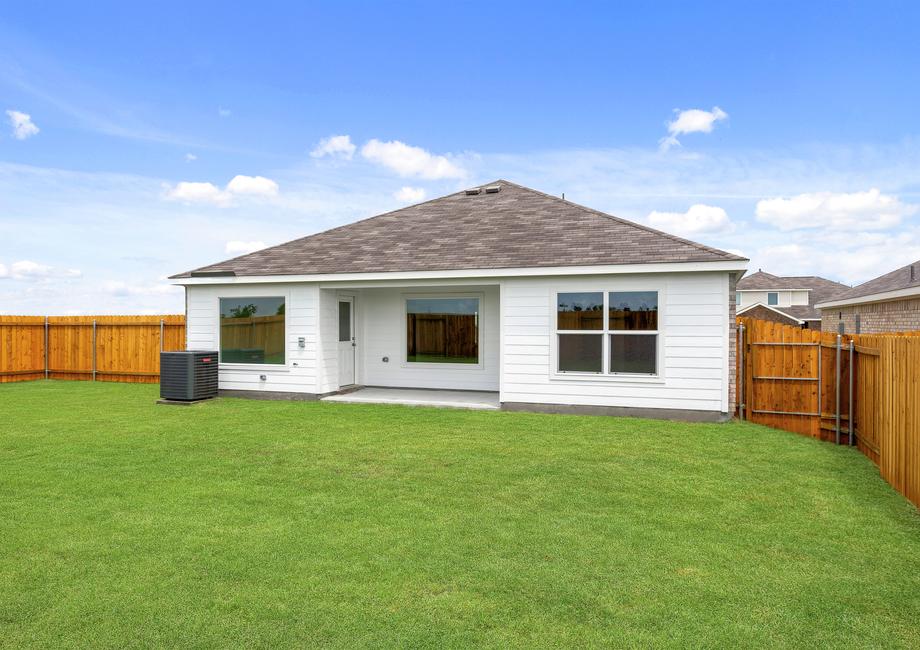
column 541, row 303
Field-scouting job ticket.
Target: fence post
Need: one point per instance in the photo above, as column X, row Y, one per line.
column 46, row 347
column 837, row 407
column 161, row 335
column 94, row 349
column 740, row 374
column 820, row 408
column 852, row 410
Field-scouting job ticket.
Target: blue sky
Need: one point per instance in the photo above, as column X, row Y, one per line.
column 137, row 142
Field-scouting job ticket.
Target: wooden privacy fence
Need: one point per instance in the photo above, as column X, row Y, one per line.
column 855, row 389
column 444, row 335
column 97, row 348
column 252, row 339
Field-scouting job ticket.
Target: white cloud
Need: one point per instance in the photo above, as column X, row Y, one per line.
column 699, row 219
column 124, row 289
column 869, row 210
column 239, row 185
column 23, row 126
column 252, row 185
column 840, row 256
column 693, row 120
column 33, row 271
column 191, row 192
column 243, row 247
column 190, row 157
column 410, row 194
column 339, row 146
column 223, row 112
column 407, row 160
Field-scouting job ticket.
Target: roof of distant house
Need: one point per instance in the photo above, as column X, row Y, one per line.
column 819, row 290
column 905, row 279
column 494, row 226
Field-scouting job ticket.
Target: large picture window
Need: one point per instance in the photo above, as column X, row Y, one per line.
column 442, row 330
column 252, row 330
column 613, row 332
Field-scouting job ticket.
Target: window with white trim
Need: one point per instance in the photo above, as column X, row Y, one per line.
column 442, row 330
column 252, row 330
column 607, row 332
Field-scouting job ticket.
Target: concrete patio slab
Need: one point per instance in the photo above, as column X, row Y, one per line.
column 462, row 399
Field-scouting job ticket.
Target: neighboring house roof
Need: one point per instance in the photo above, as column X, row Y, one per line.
column 819, row 290
column 515, row 227
column 900, row 283
column 782, row 311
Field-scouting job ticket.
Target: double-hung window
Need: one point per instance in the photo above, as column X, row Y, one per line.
column 607, row 332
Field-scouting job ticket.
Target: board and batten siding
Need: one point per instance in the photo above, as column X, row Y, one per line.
column 693, row 354
column 300, row 373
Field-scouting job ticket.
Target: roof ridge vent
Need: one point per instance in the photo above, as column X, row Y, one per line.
column 473, row 191
column 492, row 189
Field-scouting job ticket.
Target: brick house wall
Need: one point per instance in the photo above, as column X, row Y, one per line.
column 890, row 316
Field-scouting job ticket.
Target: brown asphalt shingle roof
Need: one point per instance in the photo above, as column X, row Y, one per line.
column 898, row 279
column 512, row 228
column 820, row 290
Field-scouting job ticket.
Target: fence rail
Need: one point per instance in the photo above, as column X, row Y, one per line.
column 99, row 348
column 855, row 389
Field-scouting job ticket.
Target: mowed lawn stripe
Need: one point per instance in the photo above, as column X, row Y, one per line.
column 256, row 523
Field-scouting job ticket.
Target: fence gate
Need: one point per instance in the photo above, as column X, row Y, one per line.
column 794, row 379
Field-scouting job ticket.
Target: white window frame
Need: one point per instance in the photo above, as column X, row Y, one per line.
column 261, row 367
column 606, row 375
column 772, row 293
column 462, row 367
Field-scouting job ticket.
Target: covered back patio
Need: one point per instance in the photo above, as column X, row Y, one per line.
column 440, row 338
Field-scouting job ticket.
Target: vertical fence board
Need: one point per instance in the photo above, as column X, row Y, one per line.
column 883, row 413
column 127, row 347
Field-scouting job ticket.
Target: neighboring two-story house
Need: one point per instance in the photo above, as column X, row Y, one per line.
column 789, row 300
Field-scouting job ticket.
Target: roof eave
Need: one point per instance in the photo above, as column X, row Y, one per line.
column 775, row 310
column 613, row 269
column 882, row 296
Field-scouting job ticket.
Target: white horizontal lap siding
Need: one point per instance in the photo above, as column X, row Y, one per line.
column 693, row 312
column 327, row 379
column 298, row 374
column 382, row 314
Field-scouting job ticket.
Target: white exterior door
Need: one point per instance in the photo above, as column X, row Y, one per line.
column 346, row 341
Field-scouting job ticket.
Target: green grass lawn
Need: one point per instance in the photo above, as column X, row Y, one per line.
column 265, row 524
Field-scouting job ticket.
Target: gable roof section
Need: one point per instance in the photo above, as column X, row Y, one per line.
column 905, row 280
column 777, row 310
column 819, row 290
column 515, row 227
